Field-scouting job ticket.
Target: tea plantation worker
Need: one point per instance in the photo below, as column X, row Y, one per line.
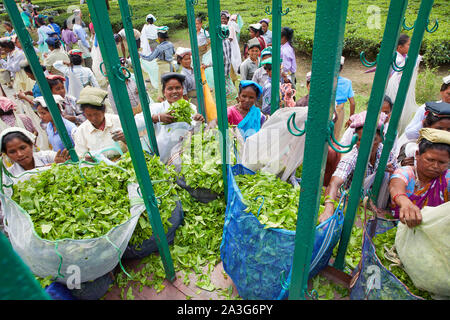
column 427, row 183
column 54, row 26
column 79, row 76
column 35, row 90
column 53, row 135
column 184, row 58
column 163, row 53
column 9, row 29
column 101, row 130
column 343, row 174
column 437, row 116
column 121, row 39
column 255, row 31
column 149, row 35
column 167, row 131
column 18, row 143
column 260, row 75
column 43, row 32
column 267, row 88
column 203, row 40
column 131, row 89
column 303, row 102
column 57, row 53
column 70, row 109
column 9, row 118
column 267, row 34
column 245, row 115
column 344, row 93
column 412, row 130
column 248, row 66
column 234, row 44
column 287, row 55
column 13, row 57
column 68, row 36
column 83, row 43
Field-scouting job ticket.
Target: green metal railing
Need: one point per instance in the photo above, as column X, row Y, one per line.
column 103, row 30
column 195, row 55
column 33, row 60
column 420, row 26
column 143, row 96
column 384, row 62
column 328, row 41
column 216, row 34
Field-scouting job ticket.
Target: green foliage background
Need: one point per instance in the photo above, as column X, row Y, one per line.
column 301, row 17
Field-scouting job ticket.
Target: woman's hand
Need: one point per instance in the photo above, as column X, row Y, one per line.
column 166, row 117
column 21, row 95
column 328, row 212
column 198, row 117
column 62, row 156
column 70, row 118
column 390, row 168
column 118, row 136
column 409, row 212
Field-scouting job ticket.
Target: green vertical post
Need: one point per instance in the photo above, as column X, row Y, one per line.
column 277, row 8
column 219, row 83
column 416, row 40
column 328, row 39
column 143, row 96
column 384, row 61
column 195, row 55
column 102, row 25
column 17, row 281
column 30, row 54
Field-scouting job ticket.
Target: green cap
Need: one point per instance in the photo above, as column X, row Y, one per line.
column 92, row 95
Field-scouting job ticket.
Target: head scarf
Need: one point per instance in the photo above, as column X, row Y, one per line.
column 438, row 109
column 265, row 20
column 58, row 99
column 446, row 79
column 182, row 51
column 256, row 26
column 6, row 104
column 27, row 133
column 308, row 76
column 434, row 135
column 225, row 13
column 54, row 77
column 359, row 119
column 150, row 16
column 246, row 83
column 76, row 52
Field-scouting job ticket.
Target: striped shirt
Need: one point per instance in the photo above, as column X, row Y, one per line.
column 85, row 75
column 227, row 56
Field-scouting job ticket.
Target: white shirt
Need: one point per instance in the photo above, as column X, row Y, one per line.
column 167, row 135
column 202, row 38
column 88, row 138
column 412, row 129
column 150, row 31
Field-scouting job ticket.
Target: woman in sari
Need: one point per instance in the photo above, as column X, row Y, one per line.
column 245, row 115
column 427, row 183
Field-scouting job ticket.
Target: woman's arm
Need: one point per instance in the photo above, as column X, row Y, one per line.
column 331, row 194
column 409, row 212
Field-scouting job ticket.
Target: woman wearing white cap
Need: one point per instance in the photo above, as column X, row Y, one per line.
column 149, row 35
column 184, row 57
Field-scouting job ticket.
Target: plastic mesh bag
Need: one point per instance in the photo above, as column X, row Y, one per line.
column 371, row 280
column 425, row 251
column 259, row 260
column 273, row 148
column 95, row 257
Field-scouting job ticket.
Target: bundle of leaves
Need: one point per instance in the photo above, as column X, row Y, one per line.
column 68, row 202
column 275, row 200
column 181, row 110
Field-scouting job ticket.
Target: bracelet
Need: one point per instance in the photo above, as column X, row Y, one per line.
column 159, row 117
column 328, row 201
column 398, row 194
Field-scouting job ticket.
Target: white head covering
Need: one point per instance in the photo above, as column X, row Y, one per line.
column 446, row 79
column 150, row 16
column 256, row 26
column 27, row 133
column 342, row 60
column 40, row 99
column 182, row 51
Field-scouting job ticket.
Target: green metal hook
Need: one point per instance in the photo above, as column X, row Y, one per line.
column 405, row 26
column 194, row 2
column 331, row 139
column 285, row 12
column 396, row 67
column 312, row 294
column 223, row 32
column 362, row 57
column 434, row 28
column 267, row 10
column 101, row 70
column 120, row 75
column 292, row 119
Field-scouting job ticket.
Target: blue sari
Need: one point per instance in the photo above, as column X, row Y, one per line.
column 251, row 123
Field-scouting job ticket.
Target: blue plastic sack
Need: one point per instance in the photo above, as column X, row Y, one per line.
column 58, row 291
column 257, row 259
column 371, row 280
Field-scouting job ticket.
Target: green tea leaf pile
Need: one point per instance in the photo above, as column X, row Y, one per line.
column 163, row 180
column 202, row 161
column 281, row 199
column 63, row 203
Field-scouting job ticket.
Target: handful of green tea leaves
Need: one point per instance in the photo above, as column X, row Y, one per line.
column 68, row 202
column 181, row 111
